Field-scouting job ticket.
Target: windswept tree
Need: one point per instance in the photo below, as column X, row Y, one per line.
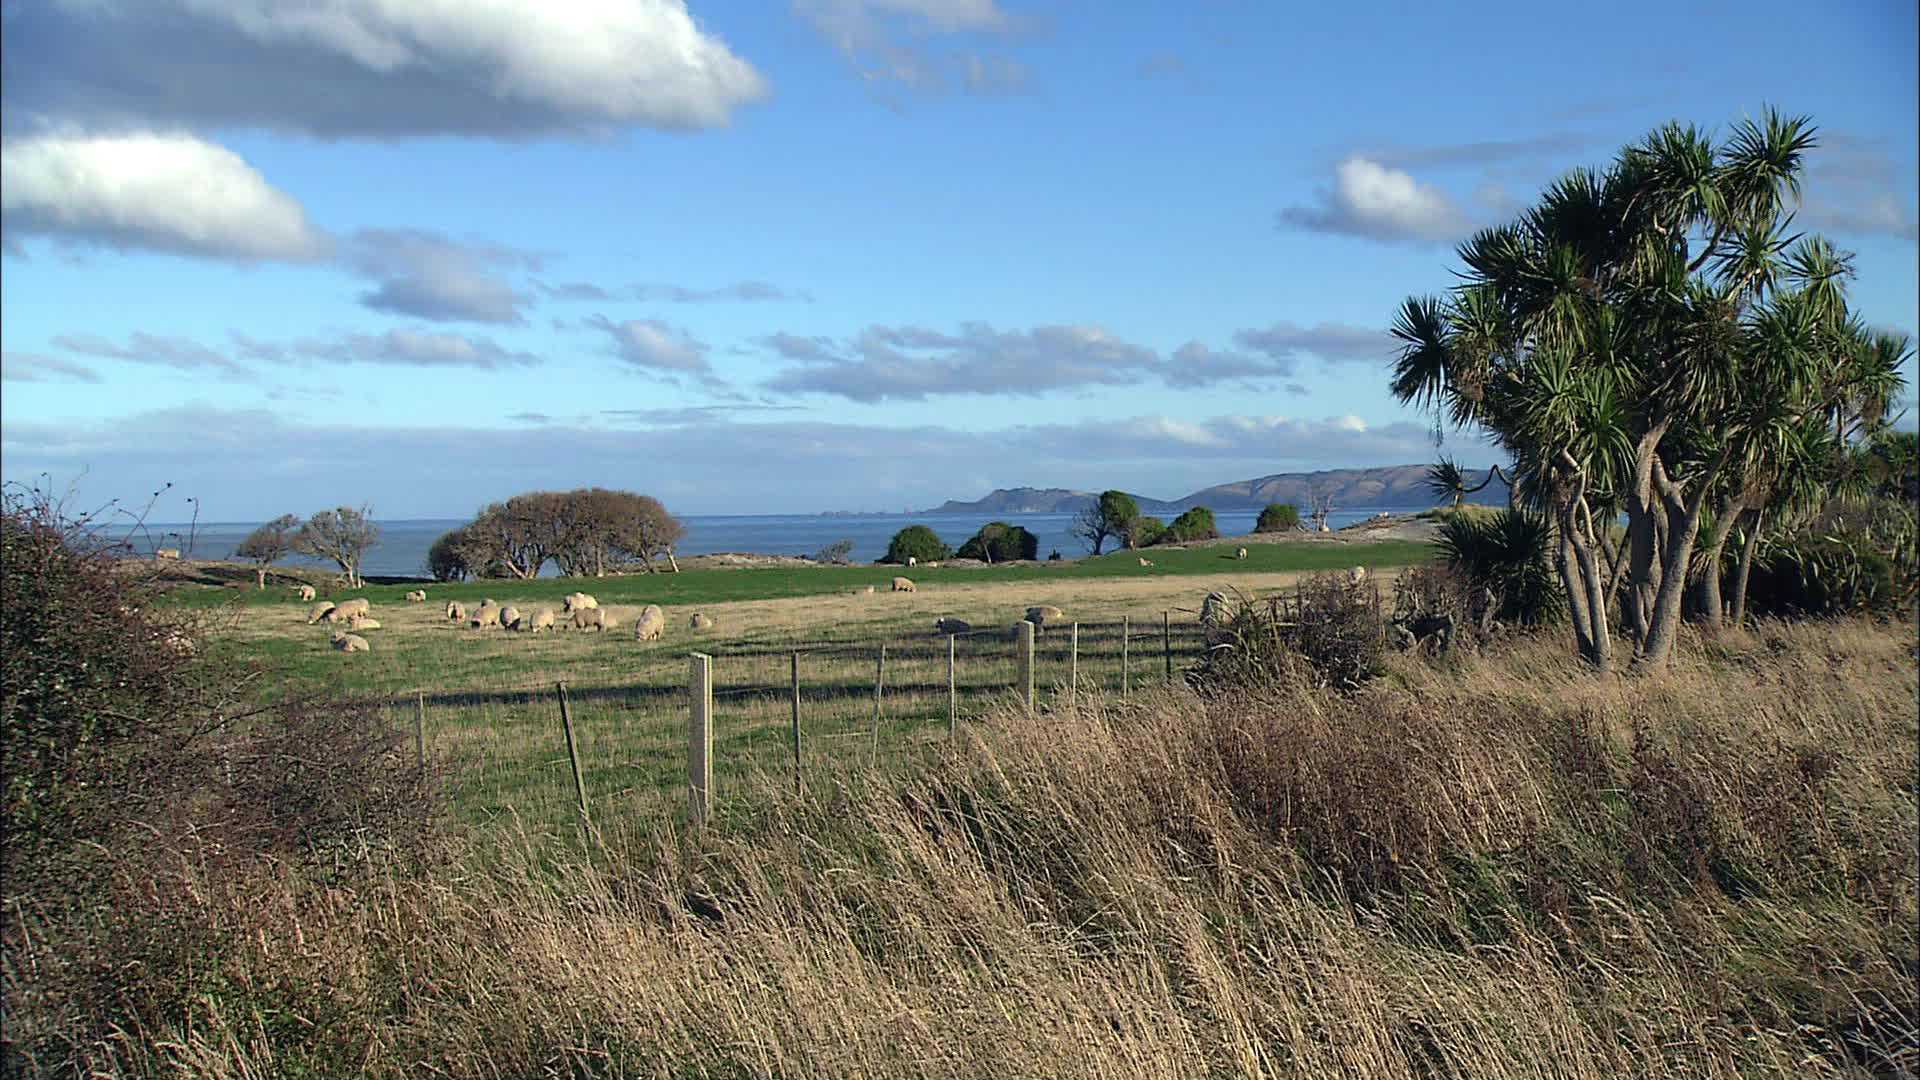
column 1110, row 517
column 341, row 536
column 1448, row 481
column 268, row 544
column 644, row 530
column 1278, row 517
column 1633, row 337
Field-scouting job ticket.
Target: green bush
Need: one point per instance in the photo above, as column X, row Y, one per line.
column 1278, row 517
column 998, row 542
column 1506, row 553
column 1195, row 524
column 917, row 542
column 1146, row 531
column 1821, row 576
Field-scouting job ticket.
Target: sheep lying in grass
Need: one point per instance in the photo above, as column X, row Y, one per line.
column 947, row 624
column 700, row 622
column 1045, row 615
column 306, row 593
column 319, row 611
column 577, row 601
column 417, row 596
column 592, row 618
column 509, row 615
column 901, row 584
column 651, row 624
column 362, row 622
column 346, row 642
column 456, row 611
column 1144, row 561
column 347, row 609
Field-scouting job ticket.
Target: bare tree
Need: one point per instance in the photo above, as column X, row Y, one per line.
column 1320, row 499
column 269, row 544
column 341, row 535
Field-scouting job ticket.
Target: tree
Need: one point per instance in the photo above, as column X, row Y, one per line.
column 838, row 553
column 1194, row 524
column 998, row 541
column 646, row 531
column 916, row 542
column 1278, row 517
column 268, row 544
column 1632, row 337
column 341, row 536
column 1320, row 499
column 447, row 558
column 1446, row 480
column 1110, row 517
column 1145, row 531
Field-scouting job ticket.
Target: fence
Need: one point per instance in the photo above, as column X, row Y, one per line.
column 807, row 708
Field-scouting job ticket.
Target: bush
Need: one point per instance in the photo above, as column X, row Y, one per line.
column 447, row 558
column 917, row 542
column 998, row 541
column 1329, row 634
column 1195, row 524
column 1506, row 556
column 1278, row 517
column 1822, row 576
column 1145, row 531
column 836, row 553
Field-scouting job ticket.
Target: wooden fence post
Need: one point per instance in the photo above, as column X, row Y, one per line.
column 1026, row 663
column 699, row 738
column 1166, row 640
column 573, row 752
column 1126, row 647
column 420, row 727
column 953, row 691
column 879, row 684
column 797, row 788
column 1073, row 666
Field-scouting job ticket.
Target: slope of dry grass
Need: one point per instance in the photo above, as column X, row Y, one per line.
column 1498, row 866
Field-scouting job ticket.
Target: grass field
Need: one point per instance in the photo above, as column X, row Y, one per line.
column 489, row 696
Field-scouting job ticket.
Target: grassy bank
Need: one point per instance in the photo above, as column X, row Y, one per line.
column 1497, row 866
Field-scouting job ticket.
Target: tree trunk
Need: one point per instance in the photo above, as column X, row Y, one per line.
column 1683, row 524
column 1716, row 542
column 1642, row 559
column 1746, row 564
column 1576, row 594
column 260, row 572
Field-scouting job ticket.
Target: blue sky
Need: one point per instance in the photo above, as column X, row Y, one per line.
column 843, row 254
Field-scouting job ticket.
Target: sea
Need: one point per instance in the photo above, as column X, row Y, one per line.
column 402, row 548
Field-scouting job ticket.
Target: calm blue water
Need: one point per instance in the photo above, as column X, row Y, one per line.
column 403, row 545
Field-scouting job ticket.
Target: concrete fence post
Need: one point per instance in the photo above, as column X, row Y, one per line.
column 1025, row 649
column 699, row 738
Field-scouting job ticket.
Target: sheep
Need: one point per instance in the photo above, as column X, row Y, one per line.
column 1043, row 614
column 166, row 553
column 868, row 591
column 650, row 625
column 529, row 622
column 700, row 622
column 319, row 611
column 1240, row 554
column 456, row 611
column 346, row 642
column 361, row 622
column 577, row 601
column 306, row 593
column 347, row 609
column 912, row 561
column 1144, row 561
column 947, row 624
column 901, row 584
column 1356, row 575
column 417, row 596
column 509, row 615
column 592, row 618
column 484, row 617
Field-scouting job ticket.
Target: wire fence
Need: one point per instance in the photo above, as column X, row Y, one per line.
column 804, row 708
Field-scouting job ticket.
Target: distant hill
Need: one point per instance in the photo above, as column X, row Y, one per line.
column 1392, row 487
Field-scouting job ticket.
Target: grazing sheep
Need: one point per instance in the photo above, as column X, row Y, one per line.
column 1356, row 575
column 1240, row 554
column 947, row 624
column 912, row 561
column 700, row 622
column 456, row 611
column 167, row 553
column 319, row 611
column 1144, row 561
column 901, row 584
column 1044, row 614
column 306, row 593
column 484, row 616
column 868, row 591
column 346, row 642
column 534, row 621
column 651, row 624
column 417, row 596
column 577, row 601
column 592, row 618
column 509, row 615
column 347, row 609
column 361, row 622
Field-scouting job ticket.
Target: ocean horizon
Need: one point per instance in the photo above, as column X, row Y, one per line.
column 402, row 547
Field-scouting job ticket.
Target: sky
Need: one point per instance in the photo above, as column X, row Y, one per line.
column 866, row 255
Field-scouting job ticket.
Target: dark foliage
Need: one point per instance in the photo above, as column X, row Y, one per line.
column 1278, row 517
column 1331, row 633
column 1194, row 524
column 1000, row 542
column 1508, row 554
column 916, row 542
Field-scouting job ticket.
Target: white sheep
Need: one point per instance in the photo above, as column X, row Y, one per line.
column 346, row 642
column 417, row 596
column 577, row 601
column 167, row 553
column 535, row 621
column 1144, row 561
column 651, row 624
column 456, row 611
column 1240, row 554
column 484, row 616
column 592, row 618
column 901, row 584
column 361, row 622
column 509, row 615
column 306, row 593
column 1356, row 575
column 912, row 561
column 347, row 609
column 700, row 621
column 319, row 611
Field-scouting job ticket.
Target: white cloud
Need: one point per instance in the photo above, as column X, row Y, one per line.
column 430, row 276
column 1371, row 200
column 181, row 354
column 1331, row 342
column 399, row 347
column 375, row 67
column 891, row 42
column 654, row 347
column 171, row 193
column 35, row 368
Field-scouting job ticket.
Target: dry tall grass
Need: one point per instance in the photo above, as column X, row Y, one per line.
column 1499, row 866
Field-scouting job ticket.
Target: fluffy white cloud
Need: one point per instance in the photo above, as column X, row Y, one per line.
column 163, row 192
column 1372, row 200
column 655, row 348
column 374, row 67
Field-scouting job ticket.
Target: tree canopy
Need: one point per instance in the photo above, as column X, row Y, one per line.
column 342, row 536
column 916, row 542
column 1111, row 517
column 1278, row 517
column 586, row 532
column 268, row 544
column 998, row 541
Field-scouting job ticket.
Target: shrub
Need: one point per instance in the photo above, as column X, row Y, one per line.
column 1330, row 634
column 1820, row 576
column 998, row 541
column 836, row 553
column 1195, row 524
column 1506, row 554
column 1278, row 517
column 918, row 542
column 447, row 558
column 1145, row 531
